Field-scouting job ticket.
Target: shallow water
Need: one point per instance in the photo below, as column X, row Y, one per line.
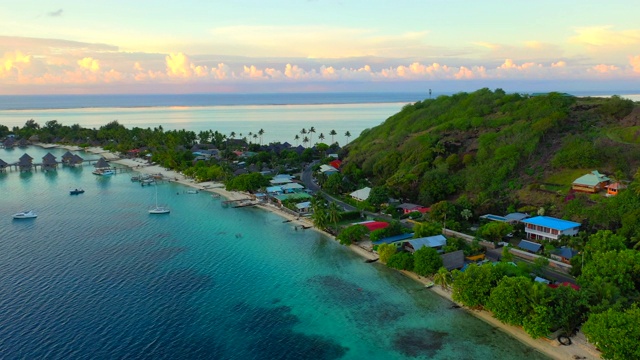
column 95, row 276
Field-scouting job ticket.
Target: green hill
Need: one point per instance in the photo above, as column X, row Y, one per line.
column 496, row 147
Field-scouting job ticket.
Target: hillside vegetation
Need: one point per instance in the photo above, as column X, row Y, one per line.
column 496, row 148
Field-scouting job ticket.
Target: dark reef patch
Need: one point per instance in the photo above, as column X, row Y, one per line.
column 418, row 342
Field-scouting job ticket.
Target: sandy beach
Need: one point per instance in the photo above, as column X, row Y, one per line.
column 579, row 349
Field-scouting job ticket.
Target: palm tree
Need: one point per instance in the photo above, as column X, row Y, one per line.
column 334, row 215
column 332, row 133
column 297, row 139
column 232, row 135
column 255, row 137
column 348, row 135
column 261, row 132
column 320, row 218
column 312, row 131
column 250, row 135
column 303, row 132
column 321, row 137
column 305, row 140
column 443, row 278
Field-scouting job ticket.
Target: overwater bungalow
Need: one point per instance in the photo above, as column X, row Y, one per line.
column 3, row 165
column 76, row 160
column 101, row 164
column 49, row 162
column 9, row 143
column 66, row 157
column 25, row 163
column 23, row 143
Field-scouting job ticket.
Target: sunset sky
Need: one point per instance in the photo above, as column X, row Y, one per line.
column 141, row 46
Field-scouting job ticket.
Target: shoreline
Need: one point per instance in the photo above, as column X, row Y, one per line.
column 578, row 350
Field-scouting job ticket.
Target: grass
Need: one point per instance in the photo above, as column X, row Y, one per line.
column 626, row 135
column 565, row 177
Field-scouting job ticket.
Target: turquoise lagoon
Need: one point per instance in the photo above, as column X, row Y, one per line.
column 96, row 277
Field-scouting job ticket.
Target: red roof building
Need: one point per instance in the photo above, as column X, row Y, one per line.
column 336, row 163
column 375, row 225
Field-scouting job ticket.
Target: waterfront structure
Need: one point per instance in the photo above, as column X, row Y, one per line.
column 590, row 183
column 25, row 163
column 102, row 164
column 3, row 165
column 549, row 228
column 49, row 162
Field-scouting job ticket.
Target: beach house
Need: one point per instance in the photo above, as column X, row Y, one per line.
column 614, row 189
column 549, row 228
column 590, row 183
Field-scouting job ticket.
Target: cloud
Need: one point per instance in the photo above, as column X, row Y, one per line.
column 56, row 13
column 605, row 69
column 14, row 63
column 634, row 61
column 605, row 36
column 90, row 64
column 178, row 65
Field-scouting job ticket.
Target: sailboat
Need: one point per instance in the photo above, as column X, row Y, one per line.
column 158, row 209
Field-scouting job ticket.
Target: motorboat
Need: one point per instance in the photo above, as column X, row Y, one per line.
column 104, row 172
column 76, row 191
column 192, row 191
column 29, row 214
column 159, row 209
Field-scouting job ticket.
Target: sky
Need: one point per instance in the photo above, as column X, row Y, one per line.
column 189, row 46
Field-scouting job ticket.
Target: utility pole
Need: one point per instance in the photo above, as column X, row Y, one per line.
column 429, row 93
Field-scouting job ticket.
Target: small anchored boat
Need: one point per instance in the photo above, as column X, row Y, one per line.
column 29, row 214
column 76, row 191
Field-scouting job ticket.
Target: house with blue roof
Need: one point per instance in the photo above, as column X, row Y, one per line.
column 394, row 239
column 549, row 228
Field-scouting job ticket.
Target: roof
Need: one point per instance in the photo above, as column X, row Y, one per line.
column 375, row 225
column 616, row 186
column 102, row 163
column 592, row 179
column 516, row 216
column 551, row 222
column 303, row 205
column 275, row 181
column 392, row 239
column 327, row 168
column 300, row 195
column 529, row 246
column 566, row 283
column 408, row 206
column 453, row 260
column 565, row 252
column 274, row 189
column 292, row 185
column 336, row 163
column 362, row 194
column 430, row 241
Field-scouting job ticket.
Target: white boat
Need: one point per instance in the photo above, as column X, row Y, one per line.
column 104, row 172
column 29, row 214
column 159, row 209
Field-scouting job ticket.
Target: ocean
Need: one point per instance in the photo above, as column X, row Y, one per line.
column 281, row 116
column 96, row 277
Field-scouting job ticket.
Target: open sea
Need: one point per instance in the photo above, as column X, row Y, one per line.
column 96, row 277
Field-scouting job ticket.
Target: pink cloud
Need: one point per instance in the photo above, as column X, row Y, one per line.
column 635, row 63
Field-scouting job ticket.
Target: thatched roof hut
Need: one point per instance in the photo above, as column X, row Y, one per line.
column 101, row 164
column 9, row 143
column 66, row 157
column 76, row 160
column 3, row 165
column 49, row 162
column 25, row 163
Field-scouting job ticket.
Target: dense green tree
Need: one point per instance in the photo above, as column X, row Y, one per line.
column 379, row 195
column 426, row 261
column 426, row 229
column 401, row 261
column 473, row 286
column 334, row 214
column 247, row 182
column 615, row 333
column 509, row 301
column 351, row 234
column 385, row 251
column 495, row 230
